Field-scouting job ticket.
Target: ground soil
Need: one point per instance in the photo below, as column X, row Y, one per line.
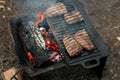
column 104, row 14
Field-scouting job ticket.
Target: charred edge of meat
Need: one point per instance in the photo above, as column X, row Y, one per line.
column 71, row 45
column 73, row 17
column 56, row 10
column 83, row 38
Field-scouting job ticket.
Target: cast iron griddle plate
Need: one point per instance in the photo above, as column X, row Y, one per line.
column 60, row 28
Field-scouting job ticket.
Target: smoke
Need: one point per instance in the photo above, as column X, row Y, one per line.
column 31, row 6
column 38, row 5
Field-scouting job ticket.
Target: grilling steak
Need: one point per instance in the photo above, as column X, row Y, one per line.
column 56, row 10
column 73, row 17
column 71, row 45
column 83, row 38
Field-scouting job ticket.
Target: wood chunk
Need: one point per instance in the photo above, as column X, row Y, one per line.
column 10, row 73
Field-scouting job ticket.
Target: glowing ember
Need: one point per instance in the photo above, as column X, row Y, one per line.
column 52, row 45
column 31, row 58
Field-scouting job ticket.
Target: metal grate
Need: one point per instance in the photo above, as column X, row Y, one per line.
column 60, row 28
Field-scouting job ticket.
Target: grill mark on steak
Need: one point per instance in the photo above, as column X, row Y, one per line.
column 83, row 38
column 73, row 17
column 71, row 45
column 56, row 10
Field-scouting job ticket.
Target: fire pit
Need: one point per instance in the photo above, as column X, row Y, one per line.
column 40, row 45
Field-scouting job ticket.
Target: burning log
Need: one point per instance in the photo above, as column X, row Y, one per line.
column 48, row 38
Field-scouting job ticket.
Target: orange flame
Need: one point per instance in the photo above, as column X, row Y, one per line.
column 41, row 16
column 31, row 58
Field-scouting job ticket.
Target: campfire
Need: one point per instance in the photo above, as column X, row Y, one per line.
column 59, row 35
column 51, row 45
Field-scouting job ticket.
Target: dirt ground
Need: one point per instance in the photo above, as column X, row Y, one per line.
column 104, row 14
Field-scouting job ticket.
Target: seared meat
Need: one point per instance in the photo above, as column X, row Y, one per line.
column 83, row 38
column 71, row 45
column 73, row 17
column 56, row 10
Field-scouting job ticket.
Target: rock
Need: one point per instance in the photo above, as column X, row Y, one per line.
column 116, row 27
column 108, row 9
column 118, row 38
column 4, row 16
column 8, row 8
column 115, row 76
column 2, row 9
